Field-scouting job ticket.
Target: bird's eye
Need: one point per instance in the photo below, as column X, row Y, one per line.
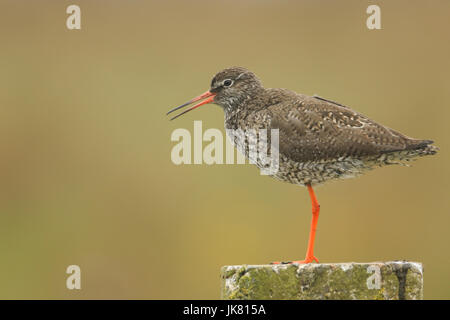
column 227, row 83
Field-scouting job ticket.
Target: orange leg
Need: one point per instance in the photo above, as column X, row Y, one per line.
column 312, row 233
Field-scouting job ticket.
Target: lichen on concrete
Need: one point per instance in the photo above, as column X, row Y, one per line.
column 378, row 280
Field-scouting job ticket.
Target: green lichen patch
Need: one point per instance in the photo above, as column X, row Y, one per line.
column 388, row 280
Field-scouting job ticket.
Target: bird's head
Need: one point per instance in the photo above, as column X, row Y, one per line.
column 228, row 89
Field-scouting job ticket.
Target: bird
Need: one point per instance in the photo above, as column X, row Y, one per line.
column 319, row 139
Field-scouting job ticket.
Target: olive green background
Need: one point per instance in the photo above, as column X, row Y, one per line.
column 85, row 171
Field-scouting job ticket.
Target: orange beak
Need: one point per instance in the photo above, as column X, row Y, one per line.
column 207, row 94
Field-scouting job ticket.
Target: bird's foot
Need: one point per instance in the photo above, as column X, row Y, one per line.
column 307, row 260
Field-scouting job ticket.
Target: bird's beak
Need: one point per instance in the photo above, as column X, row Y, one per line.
column 207, row 94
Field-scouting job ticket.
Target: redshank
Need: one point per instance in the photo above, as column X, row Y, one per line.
column 319, row 139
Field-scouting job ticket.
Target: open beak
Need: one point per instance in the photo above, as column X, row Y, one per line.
column 207, row 94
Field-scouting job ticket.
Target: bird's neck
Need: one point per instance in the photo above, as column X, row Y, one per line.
column 247, row 104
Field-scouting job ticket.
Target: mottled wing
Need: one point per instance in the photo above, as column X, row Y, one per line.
column 317, row 129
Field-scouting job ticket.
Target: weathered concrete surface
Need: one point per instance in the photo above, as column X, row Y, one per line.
column 376, row 280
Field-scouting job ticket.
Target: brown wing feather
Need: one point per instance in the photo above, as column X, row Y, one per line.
column 318, row 129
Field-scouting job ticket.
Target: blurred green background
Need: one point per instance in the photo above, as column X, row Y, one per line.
column 85, row 170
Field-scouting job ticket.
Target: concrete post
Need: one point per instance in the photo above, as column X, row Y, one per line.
column 342, row 281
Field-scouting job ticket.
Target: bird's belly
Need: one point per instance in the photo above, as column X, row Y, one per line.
column 302, row 173
column 318, row 172
column 309, row 172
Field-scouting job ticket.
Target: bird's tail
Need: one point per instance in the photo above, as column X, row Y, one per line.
column 416, row 149
column 423, row 148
